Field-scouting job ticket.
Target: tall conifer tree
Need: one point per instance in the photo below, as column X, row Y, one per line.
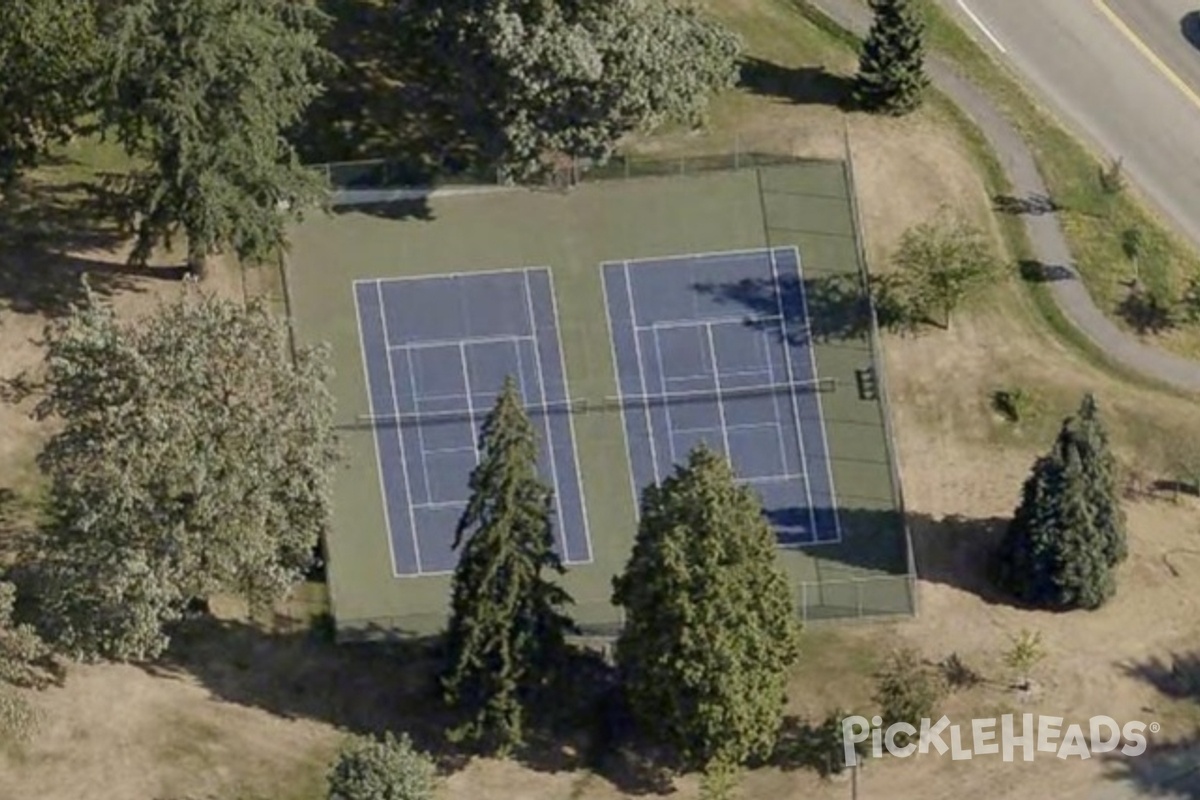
column 1069, row 531
column 711, row 629
column 891, row 69
column 507, row 626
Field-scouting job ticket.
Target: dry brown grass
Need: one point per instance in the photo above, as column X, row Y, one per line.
column 117, row 732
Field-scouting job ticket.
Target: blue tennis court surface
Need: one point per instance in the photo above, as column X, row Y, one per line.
column 437, row 351
column 744, row 385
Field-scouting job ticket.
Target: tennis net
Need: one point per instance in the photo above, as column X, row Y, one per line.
column 607, row 404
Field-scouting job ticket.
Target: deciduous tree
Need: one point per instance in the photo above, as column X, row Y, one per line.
column 48, row 51
column 941, row 264
column 891, row 75
column 202, row 92
column 533, row 78
column 507, row 626
column 710, row 630
column 194, row 458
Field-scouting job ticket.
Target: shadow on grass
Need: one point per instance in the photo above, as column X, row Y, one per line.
column 1032, row 204
column 396, row 210
column 1033, row 271
column 1146, row 312
column 808, row 85
column 1168, row 768
column 43, row 228
column 383, row 102
column 369, row 688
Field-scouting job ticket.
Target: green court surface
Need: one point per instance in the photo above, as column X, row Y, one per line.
column 803, row 204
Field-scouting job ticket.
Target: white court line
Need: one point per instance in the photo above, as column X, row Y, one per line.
column 979, row 24
column 362, row 345
column 427, row 344
column 446, row 275
column 416, row 401
column 412, row 520
column 712, row 357
column 637, row 348
column 616, row 363
column 775, row 397
column 537, row 363
column 462, row 357
column 697, row 322
column 441, row 504
column 787, row 364
column 562, row 365
column 693, row 256
column 666, row 406
column 812, row 357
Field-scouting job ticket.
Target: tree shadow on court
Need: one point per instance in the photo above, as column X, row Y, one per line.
column 297, row 672
column 807, row 85
column 44, row 229
column 837, row 307
column 952, row 550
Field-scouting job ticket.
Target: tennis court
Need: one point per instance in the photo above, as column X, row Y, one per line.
column 690, row 373
column 638, row 317
column 437, row 351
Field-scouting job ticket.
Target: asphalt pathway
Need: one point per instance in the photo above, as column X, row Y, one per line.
column 1045, row 233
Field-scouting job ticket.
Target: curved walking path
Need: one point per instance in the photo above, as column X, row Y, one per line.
column 1045, row 234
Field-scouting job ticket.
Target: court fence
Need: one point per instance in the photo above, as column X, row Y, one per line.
column 349, row 179
column 859, row 598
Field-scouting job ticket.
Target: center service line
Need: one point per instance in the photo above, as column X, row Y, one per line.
column 979, row 24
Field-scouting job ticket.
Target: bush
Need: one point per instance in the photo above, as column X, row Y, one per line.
column 1015, row 404
column 382, row 769
column 907, row 690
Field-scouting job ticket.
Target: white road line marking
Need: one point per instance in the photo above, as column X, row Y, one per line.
column 979, row 24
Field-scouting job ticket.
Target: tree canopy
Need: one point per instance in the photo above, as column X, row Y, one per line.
column 193, row 459
column 48, row 52
column 387, row 768
column 891, row 75
column 1068, row 533
column 507, row 628
column 941, row 264
column 201, row 91
column 539, row 77
column 710, row 629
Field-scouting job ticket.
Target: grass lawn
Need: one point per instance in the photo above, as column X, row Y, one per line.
column 1092, row 220
column 254, row 711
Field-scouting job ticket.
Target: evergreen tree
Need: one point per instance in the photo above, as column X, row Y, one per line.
column 1090, row 439
column 710, row 627
column 891, row 69
column 201, row 91
column 507, row 629
column 1068, row 532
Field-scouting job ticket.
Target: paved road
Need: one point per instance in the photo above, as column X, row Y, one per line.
column 1045, row 233
column 1080, row 55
